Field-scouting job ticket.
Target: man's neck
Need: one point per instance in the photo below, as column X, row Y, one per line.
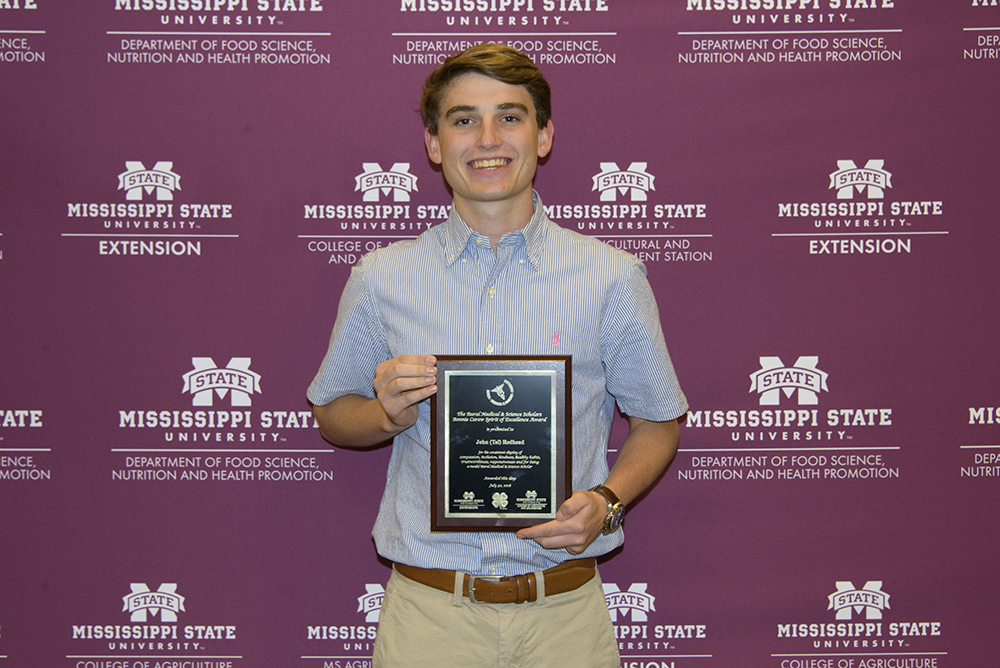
column 495, row 219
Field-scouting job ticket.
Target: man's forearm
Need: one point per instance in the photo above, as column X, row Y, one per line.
column 354, row 421
column 400, row 384
column 646, row 453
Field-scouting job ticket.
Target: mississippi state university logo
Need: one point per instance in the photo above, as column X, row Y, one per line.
column 868, row 601
column 153, row 629
column 207, row 379
column 859, row 614
column 802, row 378
column 375, row 182
column 164, row 603
column 370, row 604
column 136, row 180
column 862, row 218
column 850, row 178
column 355, row 637
column 635, row 182
column 634, row 603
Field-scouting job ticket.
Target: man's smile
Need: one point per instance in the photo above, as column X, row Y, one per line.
column 489, row 163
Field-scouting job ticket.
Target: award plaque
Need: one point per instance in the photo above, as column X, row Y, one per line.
column 500, row 442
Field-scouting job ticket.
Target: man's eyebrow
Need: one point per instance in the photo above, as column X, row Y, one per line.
column 503, row 106
column 507, row 106
column 459, row 109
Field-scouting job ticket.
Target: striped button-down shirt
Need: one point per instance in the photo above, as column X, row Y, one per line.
column 546, row 291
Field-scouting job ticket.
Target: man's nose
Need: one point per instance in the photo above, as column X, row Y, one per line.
column 489, row 134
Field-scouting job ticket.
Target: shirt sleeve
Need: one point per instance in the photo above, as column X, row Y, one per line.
column 357, row 345
column 638, row 369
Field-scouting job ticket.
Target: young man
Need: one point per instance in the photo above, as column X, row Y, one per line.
column 498, row 278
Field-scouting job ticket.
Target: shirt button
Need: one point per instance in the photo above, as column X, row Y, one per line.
column 494, row 570
column 489, row 349
column 465, row 259
column 479, row 242
column 492, row 291
column 521, row 260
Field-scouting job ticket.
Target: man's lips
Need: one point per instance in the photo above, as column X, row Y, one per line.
column 489, row 163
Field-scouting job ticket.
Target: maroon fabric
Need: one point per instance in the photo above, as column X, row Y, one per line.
column 812, row 188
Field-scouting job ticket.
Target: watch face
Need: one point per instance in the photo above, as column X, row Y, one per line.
column 616, row 519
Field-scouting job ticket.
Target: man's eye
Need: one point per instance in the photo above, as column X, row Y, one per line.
column 463, row 121
column 511, row 118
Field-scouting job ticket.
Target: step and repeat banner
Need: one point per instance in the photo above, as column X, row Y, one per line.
column 812, row 185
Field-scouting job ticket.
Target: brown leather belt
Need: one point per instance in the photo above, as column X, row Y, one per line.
column 510, row 589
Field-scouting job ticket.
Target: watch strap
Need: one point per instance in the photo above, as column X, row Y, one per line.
column 607, row 493
column 616, row 509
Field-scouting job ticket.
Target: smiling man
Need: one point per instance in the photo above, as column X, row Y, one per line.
column 498, row 278
column 488, row 140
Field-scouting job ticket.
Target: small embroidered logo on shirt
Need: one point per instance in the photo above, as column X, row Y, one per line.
column 555, row 340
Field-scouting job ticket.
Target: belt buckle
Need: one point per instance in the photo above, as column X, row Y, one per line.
column 487, row 578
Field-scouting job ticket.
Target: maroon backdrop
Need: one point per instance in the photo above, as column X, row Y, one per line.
column 186, row 184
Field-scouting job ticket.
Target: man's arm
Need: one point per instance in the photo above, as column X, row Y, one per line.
column 648, row 449
column 354, row 421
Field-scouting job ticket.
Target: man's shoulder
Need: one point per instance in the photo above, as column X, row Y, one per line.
column 589, row 248
column 398, row 253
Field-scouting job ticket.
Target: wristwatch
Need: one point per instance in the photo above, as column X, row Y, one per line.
column 616, row 510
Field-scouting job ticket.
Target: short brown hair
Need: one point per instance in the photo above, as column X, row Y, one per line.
column 496, row 61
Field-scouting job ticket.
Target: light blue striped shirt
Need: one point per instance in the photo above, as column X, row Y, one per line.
column 546, row 291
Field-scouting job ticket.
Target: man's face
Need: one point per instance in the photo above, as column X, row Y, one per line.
column 488, row 141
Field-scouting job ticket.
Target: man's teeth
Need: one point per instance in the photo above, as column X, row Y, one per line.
column 494, row 162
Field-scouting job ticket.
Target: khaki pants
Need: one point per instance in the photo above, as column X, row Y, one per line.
column 420, row 626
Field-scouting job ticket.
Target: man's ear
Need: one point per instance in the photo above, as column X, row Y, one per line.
column 433, row 148
column 545, row 139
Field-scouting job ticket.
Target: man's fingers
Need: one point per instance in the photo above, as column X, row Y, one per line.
column 573, row 529
column 420, row 368
column 403, row 382
column 553, row 536
column 403, row 385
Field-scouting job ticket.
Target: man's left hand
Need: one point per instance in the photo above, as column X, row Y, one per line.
column 578, row 523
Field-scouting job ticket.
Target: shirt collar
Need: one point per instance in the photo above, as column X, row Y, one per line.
column 458, row 235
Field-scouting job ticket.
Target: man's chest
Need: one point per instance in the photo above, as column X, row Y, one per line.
column 506, row 308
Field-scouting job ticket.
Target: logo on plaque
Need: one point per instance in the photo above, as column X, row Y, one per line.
column 502, row 394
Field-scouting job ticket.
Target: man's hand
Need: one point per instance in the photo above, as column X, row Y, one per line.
column 578, row 523
column 644, row 455
column 401, row 383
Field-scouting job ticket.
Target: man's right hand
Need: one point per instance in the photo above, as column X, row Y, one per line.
column 403, row 382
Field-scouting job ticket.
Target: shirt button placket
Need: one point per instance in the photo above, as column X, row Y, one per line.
column 490, row 304
column 492, row 293
column 486, row 260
